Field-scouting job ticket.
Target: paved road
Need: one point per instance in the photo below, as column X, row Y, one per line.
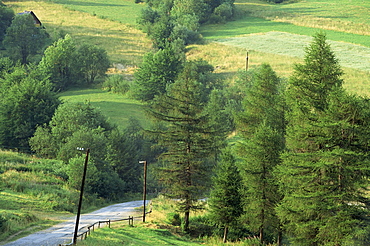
column 63, row 233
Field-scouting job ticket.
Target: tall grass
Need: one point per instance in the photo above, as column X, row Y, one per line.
column 34, row 194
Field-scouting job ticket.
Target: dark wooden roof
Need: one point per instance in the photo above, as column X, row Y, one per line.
column 37, row 21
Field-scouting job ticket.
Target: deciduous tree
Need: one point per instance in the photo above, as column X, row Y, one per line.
column 24, row 39
column 26, row 101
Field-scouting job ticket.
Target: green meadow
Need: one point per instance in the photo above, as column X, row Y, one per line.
column 124, row 11
column 118, row 108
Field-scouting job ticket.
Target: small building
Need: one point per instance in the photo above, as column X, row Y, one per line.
column 35, row 19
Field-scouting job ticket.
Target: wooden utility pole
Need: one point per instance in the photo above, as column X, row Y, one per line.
column 246, row 62
column 144, row 188
column 81, row 195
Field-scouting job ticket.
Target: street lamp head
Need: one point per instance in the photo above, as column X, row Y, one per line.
column 142, row 162
column 78, row 148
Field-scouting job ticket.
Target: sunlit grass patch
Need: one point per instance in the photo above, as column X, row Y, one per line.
column 125, row 11
column 141, row 234
column 118, row 108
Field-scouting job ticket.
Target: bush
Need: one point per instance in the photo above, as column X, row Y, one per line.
column 225, row 10
column 116, row 84
column 174, row 219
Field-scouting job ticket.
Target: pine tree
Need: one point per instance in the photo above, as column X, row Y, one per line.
column 261, row 126
column 187, row 139
column 324, row 173
column 225, row 201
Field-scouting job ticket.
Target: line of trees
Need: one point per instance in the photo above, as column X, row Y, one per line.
column 179, row 20
column 303, row 156
column 298, row 170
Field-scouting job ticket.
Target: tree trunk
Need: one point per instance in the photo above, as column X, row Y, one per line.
column 280, row 236
column 186, row 221
column 226, row 230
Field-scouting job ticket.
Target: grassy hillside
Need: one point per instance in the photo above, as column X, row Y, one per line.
column 124, row 44
column 271, row 33
column 33, row 195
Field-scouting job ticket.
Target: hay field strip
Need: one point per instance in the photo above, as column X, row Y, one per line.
column 287, row 44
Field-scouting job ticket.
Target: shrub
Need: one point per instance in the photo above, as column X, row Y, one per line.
column 116, row 84
column 174, row 219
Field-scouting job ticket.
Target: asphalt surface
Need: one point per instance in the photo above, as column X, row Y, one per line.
column 63, row 233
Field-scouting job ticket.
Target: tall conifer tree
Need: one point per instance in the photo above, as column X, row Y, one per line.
column 261, row 126
column 188, row 139
column 226, row 198
column 324, row 173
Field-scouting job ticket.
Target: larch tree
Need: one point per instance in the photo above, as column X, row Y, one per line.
column 261, row 126
column 325, row 170
column 187, row 137
column 226, row 201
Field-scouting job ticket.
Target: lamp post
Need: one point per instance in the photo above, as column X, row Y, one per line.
column 144, row 190
column 81, row 195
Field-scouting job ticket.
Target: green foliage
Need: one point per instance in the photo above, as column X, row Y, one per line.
column 261, row 126
column 165, row 22
column 6, row 16
column 68, row 65
column 225, row 201
column 114, row 155
column 92, row 62
column 326, row 169
column 188, row 139
column 59, row 62
column 26, row 102
column 116, row 84
column 174, row 219
column 23, row 39
column 124, row 152
column 156, row 72
column 69, row 119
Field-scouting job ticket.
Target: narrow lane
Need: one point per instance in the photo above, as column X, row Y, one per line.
column 63, row 233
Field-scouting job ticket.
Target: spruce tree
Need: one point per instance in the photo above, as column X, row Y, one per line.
column 187, row 139
column 225, row 201
column 324, row 173
column 261, row 126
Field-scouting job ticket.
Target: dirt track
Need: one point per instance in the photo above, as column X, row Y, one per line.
column 63, row 233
